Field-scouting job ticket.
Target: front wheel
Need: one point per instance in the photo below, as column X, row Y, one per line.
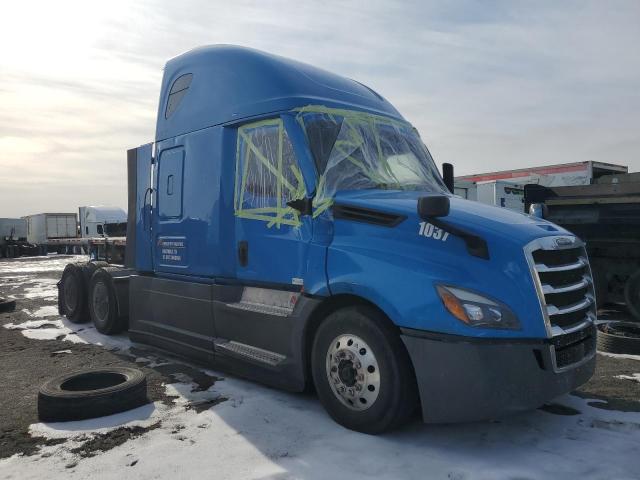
column 362, row 372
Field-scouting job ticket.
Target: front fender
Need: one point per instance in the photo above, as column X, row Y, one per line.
column 397, row 270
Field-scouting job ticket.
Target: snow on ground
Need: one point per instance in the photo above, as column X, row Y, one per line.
column 261, row 433
column 52, row 263
column 620, row 355
column 635, row 377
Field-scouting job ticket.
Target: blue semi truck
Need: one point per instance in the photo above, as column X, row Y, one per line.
column 288, row 225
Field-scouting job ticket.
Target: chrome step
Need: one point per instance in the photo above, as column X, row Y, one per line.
column 261, row 308
column 249, row 352
column 266, row 301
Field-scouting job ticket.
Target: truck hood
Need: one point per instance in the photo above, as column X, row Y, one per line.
column 475, row 217
column 407, row 262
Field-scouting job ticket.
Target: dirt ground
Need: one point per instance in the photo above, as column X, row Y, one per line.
column 27, row 363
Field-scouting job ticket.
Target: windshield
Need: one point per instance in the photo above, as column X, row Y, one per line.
column 356, row 150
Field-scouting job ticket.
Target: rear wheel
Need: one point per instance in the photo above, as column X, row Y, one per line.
column 632, row 295
column 72, row 294
column 103, row 304
column 362, row 372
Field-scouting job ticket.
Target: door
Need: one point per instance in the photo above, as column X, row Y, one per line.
column 139, row 241
column 51, row 226
column 272, row 238
column 170, row 249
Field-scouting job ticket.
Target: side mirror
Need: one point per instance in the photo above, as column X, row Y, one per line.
column 433, row 206
column 539, row 210
column 302, row 205
column 447, row 176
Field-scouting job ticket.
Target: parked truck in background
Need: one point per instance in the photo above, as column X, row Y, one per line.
column 102, row 222
column 605, row 215
column 290, row 226
column 13, row 233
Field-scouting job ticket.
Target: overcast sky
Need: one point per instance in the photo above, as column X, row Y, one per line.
column 490, row 85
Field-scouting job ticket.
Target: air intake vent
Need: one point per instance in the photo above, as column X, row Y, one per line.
column 366, row 215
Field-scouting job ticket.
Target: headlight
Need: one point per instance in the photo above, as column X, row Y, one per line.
column 477, row 310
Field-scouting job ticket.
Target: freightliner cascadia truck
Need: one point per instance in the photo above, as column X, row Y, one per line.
column 288, row 225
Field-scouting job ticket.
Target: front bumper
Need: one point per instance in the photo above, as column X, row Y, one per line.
column 465, row 379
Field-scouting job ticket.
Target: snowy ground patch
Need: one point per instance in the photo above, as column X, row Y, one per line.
column 55, row 327
column 635, row 377
column 262, row 433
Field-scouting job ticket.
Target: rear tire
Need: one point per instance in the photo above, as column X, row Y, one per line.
column 384, row 365
column 89, row 268
column 632, row 295
column 103, row 304
column 72, row 294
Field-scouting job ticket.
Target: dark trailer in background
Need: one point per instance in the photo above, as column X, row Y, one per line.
column 606, row 215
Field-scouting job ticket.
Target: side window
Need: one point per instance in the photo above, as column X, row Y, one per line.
column 170, row 171
column 86, row 230
column 177, row 92
column 267, row 174
column 100, row 229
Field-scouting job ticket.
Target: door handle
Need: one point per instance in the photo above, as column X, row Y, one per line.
column 243, row 253
column 145, row 210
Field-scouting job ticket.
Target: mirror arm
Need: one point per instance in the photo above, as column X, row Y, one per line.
column 302, row 205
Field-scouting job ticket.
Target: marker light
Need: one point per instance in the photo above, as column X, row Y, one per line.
column 477, row 310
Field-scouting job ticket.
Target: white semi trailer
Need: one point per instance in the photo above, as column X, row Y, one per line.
column 43, row 227
column 501, row 194
column 506, row 188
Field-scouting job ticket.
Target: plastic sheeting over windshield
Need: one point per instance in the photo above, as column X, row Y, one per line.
column 357, row 150
column 267, row 174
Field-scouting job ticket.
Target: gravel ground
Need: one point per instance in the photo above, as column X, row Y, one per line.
column 28, row 362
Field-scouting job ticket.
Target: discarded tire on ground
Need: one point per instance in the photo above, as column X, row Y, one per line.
column 72, row 294
column 7, row 305
column 619, row 337
column 91, row 394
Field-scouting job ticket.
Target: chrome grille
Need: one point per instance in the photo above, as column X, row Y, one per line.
column 563, row 279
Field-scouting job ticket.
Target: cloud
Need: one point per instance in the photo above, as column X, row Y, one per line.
column 489, row 85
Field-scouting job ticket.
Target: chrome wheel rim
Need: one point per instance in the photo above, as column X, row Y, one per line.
column 352, row 372
column 101, row 302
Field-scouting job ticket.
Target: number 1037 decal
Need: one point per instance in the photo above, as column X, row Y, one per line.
column 431, row 231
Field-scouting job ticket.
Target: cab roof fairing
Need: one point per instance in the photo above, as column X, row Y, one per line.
column 231, row 83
